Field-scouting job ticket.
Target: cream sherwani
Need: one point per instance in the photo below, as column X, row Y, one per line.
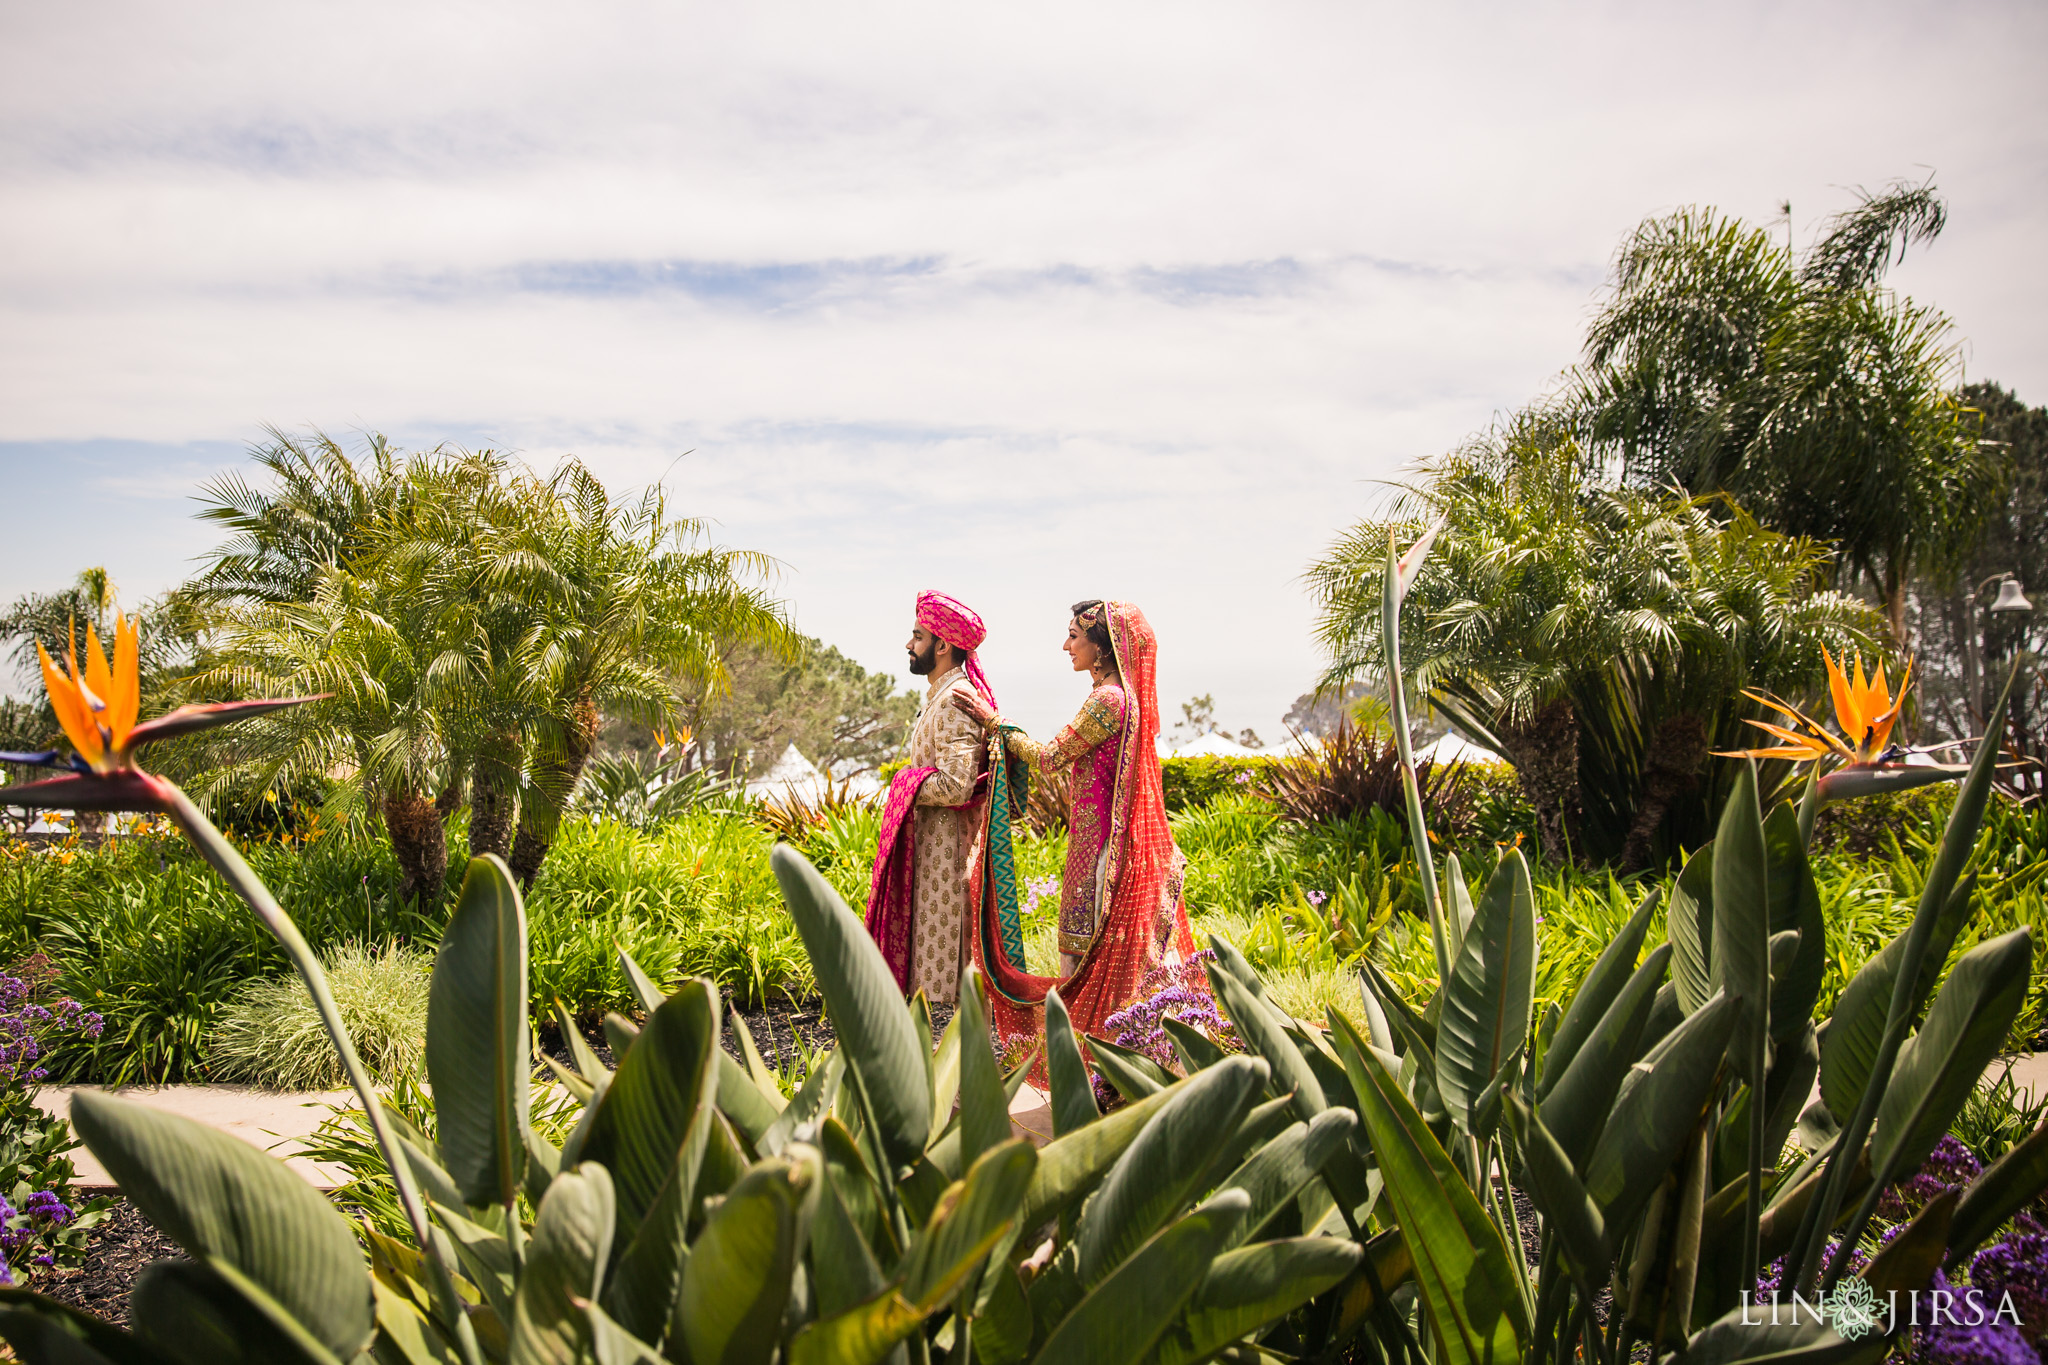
column 946, row 738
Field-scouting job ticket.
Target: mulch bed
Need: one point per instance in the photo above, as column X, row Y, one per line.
column 115, row 1253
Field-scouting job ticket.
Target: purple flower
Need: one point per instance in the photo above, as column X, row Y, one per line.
column 1949, row 1166
column 1992, row 1343
column 1178, row 992
column 2017, row 1266
column 1986, row 1343
column 1316, row 898
column 1772, row 1281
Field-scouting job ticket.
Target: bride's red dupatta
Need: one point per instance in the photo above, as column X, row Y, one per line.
column 1145, row 923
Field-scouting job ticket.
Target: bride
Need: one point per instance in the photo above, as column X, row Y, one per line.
column 1121, row 914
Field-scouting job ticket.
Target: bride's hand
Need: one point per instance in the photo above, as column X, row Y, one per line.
column 972, row 703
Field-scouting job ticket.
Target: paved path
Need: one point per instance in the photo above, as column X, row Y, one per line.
column 1031, row 1114
column 267, row 1119
column 2029, row 1073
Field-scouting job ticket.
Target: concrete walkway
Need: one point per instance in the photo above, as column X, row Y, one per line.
column 272, row 1121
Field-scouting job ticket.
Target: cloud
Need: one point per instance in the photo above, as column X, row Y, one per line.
column 1038, row 304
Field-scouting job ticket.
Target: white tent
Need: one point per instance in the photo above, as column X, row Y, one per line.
column 1455, row 748
column 793, row 774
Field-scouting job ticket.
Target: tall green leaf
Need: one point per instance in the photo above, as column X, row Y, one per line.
column 1660, row 1104
column 1163, row 1168
column 1795, row 904
column 1742, row 920
column 1069, row 1166
column 565, row 1261
column 737, row 1282
column 1939, row 1067
column 970, row 1218
column 661, row 1087
column 984, row 1108
column 1578, row 1104
column 223, row 1201
column 866, row 1008
column 1133, row 1074
column 1614, row 969
column 1277, row 1172
column 1073, row 1096
column 1252, row 1286
column 1486, row 1006
column 1259, row 1025
column 1469, row 1286
column 1689, row 924
column 1120, row 1319
column 204, row 1314
column 477, row 1048
column 1559, row 1195
column 1856, row 1029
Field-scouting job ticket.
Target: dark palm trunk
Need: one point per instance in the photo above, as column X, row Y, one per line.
column 1672, row 761
column 420, row 843
column 494, row 798
column 1545, row 755
column 537, row 822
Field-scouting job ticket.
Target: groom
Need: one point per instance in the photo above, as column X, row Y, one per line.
column 917, row 903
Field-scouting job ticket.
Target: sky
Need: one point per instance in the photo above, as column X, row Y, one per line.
column 1028, row 304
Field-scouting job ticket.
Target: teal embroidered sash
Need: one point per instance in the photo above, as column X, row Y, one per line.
column 1009, row 791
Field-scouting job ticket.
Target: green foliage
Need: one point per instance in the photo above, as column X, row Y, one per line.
column 144, row 934
column 675, row 1220
column 840, row 716
column 471, row 622
column 1598, row 637
column 1191, row 783
column 269, row 1035
column 1721, row 362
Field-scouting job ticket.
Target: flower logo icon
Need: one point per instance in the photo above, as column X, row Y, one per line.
column 1854, row 1310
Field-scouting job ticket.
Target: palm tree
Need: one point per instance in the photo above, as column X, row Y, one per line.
column 361, row 641
column 628, row 604
column 1723, row 362
column 1598, row 637
column 456, row 551
column 474, row 620
column 1749, row 613
column 319, row 510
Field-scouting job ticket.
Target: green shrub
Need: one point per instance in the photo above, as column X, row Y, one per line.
column 1872, row 824
column 270, row 1035
column 1191, row 783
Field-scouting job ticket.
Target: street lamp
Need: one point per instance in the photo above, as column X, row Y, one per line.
column 2010, row 598
column 2010, row 602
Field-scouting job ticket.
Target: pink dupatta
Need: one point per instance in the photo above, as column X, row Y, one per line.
column 892, row 895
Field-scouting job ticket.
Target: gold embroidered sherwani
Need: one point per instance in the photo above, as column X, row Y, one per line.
column 946, row 738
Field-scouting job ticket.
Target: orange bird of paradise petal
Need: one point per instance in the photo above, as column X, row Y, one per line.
column 96, row 705
column 1848, row 708
column 126, row 700
column 74, row 713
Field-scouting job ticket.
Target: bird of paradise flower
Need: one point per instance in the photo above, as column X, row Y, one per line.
column 1866, row 710
column 97, row 706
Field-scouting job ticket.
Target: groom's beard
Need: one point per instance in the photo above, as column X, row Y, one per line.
column 921, row 664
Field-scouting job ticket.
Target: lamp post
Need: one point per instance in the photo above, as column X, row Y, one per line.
column 2011, row 602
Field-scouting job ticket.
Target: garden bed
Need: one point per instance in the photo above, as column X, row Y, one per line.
column 116, row 1252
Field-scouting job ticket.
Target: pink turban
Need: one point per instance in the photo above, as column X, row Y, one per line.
column 951, row 621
